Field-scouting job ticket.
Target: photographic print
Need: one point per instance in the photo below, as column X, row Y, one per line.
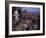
column 25, row 19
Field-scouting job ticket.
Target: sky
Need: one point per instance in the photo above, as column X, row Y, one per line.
column 33, row 10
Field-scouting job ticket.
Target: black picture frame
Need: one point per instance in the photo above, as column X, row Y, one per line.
column 7, row 18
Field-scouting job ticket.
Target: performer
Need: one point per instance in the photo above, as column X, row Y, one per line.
column 16, row 14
